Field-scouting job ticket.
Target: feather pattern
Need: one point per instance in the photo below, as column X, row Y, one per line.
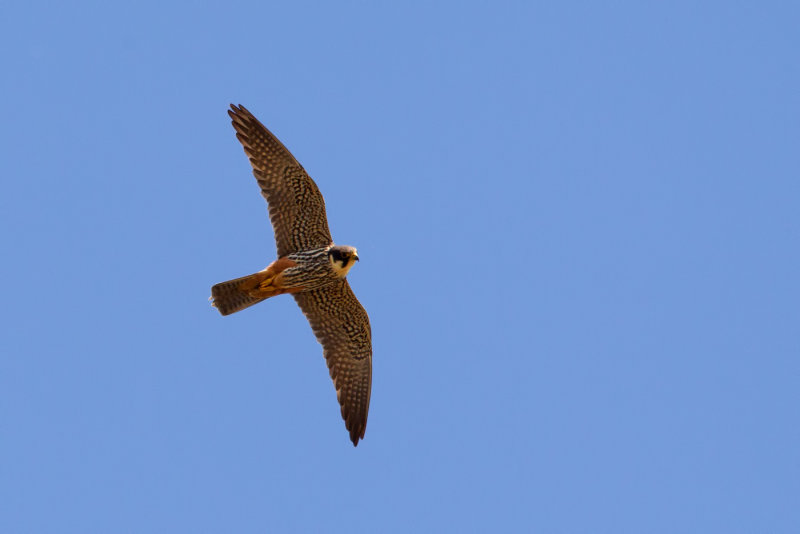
column 342, row 327
column 296, row 206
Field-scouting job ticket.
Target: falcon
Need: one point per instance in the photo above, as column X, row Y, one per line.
column 310, row 267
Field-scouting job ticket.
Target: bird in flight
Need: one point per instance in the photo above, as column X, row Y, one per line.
column 310, row 267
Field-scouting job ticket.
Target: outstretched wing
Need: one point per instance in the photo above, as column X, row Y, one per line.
column 296, row 206
column 342, row 327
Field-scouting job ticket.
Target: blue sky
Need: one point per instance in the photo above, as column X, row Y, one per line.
column 578, row 228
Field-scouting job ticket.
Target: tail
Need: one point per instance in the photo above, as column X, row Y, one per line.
column 240, row 293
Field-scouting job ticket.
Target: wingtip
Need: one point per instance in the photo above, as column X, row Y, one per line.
column 235, row 110
column 238, row 108
column 357, row 434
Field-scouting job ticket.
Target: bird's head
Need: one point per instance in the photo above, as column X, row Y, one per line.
column 342, row 258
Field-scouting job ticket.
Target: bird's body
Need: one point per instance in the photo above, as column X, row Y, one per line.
column 296, row 272
column 309, row 266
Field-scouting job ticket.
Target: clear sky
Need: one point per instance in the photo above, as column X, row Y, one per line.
column 578, row 225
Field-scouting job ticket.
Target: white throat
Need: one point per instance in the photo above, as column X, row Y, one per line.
column 340, row 270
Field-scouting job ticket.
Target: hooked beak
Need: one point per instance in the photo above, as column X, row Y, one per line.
column 355, row 257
